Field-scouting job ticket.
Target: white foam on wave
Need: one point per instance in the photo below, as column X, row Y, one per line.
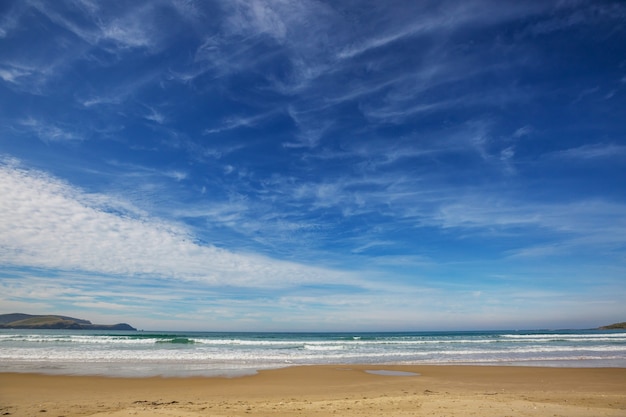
column 197, row 352
column 567, row 336
column 323, row 347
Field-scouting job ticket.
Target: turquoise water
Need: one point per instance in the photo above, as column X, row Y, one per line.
column 232, row 354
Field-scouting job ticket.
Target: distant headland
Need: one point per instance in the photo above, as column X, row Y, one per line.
column 621, row 325
column 30, row 321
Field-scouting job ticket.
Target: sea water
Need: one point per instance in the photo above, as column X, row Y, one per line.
column 145, row 353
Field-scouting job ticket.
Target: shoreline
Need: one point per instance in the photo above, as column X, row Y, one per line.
column 319, row 390
column 169, row 370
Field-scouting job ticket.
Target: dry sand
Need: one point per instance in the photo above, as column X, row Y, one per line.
column 326, row 391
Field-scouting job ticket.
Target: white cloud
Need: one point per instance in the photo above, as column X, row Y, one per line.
column 177, row 175
column 154, row 116
column 98, row 36
column 254, row 33
column 593, row 151
column 422, row 19
column 28, row 74
column 129, row 31
column 575, row 13
column 95, row 100
column 132, row 28
column 45, row 223
column 285, row 21
column 10, row 19
column 120, row 93
column 522, row 132
column 188, row 9
column 236, row 122
column 311, row 129
column 585, row 224
column 259, row 17
column 49, row 132
column 13, row 74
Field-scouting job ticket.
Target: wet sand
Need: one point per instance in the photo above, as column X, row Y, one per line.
column 326, row 391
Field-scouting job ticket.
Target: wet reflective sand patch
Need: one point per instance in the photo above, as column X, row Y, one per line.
column 391, row 373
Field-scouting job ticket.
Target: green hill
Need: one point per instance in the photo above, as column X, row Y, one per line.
column 614, row 326
column 29, row 321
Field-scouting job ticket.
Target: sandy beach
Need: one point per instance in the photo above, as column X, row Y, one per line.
column 327, row 390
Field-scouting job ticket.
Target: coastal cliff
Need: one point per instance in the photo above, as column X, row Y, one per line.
column 30, row 321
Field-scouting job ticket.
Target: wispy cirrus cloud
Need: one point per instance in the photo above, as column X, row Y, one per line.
column 236, row 122
column 424, row 20
column 133, row 27
column 88, row 33
column 581, row 226
column 379, row 87
column 155, row 116
column 592, row 151
column 310, row 129
column 50, row 132
column 419, row 145
column 14, row 74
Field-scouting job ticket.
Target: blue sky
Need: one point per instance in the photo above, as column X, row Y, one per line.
column 310, row 165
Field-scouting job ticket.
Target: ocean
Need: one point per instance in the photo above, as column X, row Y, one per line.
column 180, row 354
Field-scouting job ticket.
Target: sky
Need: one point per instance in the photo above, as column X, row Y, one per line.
column 305, row 165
